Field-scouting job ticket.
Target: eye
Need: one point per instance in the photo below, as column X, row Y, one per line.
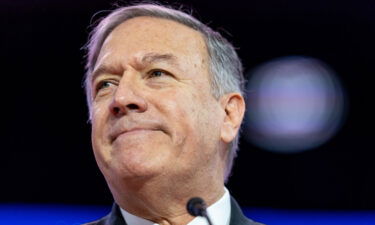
column 103, row 85
column 157, row 73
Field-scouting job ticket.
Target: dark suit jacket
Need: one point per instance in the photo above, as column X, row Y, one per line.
column 115, row 217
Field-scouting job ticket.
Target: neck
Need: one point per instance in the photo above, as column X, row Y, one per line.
column 161, row 202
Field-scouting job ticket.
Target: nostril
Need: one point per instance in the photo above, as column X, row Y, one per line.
column 119, row 111
column 116, row 110
column 132, row 106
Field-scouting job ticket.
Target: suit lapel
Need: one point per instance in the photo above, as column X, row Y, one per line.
column 237, row 217
column 115, row 217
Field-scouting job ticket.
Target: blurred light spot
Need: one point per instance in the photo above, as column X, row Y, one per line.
column 293, row 104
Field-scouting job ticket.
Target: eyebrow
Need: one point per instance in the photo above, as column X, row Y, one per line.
column 148, row 58
column 156, row 57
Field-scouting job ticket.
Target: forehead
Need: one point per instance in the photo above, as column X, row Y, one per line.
column 142, row 35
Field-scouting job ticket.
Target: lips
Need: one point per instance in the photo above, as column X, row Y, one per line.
column 130, row 131
column 130, row 127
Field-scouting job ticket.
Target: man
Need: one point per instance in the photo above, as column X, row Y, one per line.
column 164, row 94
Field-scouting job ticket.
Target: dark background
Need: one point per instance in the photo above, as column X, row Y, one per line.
column 45, row 144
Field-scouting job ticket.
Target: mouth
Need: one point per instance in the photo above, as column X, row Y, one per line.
column 134, row 131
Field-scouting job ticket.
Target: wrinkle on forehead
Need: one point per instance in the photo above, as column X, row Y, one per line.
column 167, row 33
column 153, row 40
column 143, row 60
column 139, row 61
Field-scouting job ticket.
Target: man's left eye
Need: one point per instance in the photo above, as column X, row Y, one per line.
column 157, row 73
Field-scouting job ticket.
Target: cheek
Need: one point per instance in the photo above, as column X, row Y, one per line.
column 190, row 114
column 97, row 121
column 174, row 110
column 99, row 126
column 100, row 112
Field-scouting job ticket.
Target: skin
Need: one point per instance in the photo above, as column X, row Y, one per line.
column 159, row 136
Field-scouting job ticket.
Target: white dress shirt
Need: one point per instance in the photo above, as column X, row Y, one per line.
column 219, row 213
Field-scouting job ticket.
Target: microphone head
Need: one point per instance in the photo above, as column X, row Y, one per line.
column 196, row 207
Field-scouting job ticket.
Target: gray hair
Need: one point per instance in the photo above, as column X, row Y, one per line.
column 225, row 65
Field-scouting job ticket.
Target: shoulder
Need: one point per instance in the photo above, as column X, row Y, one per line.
column 102, row 221
column 237, row 217
column 113, row 218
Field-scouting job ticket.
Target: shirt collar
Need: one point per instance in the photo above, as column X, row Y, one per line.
column 219, row 213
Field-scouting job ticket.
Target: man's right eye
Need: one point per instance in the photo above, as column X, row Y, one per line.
column 103, row 85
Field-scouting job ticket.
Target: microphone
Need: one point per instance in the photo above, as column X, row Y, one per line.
column 197, row 207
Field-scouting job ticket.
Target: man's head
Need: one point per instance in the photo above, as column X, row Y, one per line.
column 164, row 93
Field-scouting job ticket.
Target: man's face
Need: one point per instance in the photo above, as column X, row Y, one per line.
column 153, row 112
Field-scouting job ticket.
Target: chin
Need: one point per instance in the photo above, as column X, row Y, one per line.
column 125, row 166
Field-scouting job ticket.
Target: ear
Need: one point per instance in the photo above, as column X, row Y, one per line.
column 234, row 106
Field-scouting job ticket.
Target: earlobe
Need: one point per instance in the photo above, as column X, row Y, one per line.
column 234, row 107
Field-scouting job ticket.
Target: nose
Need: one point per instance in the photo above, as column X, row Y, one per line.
column 127, row 98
